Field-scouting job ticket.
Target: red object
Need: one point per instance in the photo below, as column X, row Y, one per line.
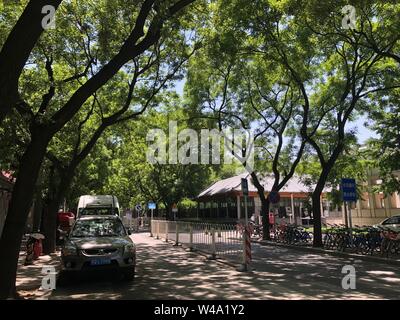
column 64, row 218
column 271, row 218
column 7, row 175
column 37, row 249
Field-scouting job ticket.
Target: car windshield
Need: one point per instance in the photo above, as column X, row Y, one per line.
column 98, row 228
column 98, row 211
column 392, row 220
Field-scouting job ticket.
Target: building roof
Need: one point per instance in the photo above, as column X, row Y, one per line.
column 295, row 185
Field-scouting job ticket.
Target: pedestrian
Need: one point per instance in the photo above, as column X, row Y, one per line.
column 65, row 220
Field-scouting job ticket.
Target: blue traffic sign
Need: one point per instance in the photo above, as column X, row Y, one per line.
column 274, row 197
column 245, row 187
column 349, row 190
column 151, row 205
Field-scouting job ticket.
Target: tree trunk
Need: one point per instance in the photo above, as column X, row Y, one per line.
column 16, row 50
column 316, row 196
column 49, row 244
column 316, row 203
column 265, row 218
column 50, row 218
column 18, row 212
column 50, row 227
column 264, row 206
column 316, row 207
column 37, row 213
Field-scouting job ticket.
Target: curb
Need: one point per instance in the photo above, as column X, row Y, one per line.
column 330, row 252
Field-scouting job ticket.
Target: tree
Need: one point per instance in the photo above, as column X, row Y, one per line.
column 385, row 150
column 152, row 21
column 243, row 86
column 336, row 73
column 145, row 94
column 247, row 94
column 136, row 180
column 16, row 50
column 353, row 74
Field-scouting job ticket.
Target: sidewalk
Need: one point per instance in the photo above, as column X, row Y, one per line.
column 29, row 278
column 331, row 252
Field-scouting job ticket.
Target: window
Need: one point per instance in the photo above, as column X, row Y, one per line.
column 98, row 228
column 392, row 220
column 395, row 201
column 98, row 211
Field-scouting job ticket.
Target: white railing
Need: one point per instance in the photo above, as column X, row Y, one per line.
column 136, row 224
column 217, row 240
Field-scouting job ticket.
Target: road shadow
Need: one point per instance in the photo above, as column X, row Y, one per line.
column 167, row 272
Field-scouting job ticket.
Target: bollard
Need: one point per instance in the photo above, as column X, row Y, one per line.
column 166, row 230
column 190, row 238
column 158, row 230
column 219, row 232
column 176, row 235
column 213, row 246
column 246, row 250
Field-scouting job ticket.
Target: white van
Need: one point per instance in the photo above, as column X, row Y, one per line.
column 98, row 205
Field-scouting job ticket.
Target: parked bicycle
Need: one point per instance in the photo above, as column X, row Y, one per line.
column 390, row 244
column 292, row 234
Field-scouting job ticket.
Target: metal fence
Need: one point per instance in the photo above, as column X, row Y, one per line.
column 217, row 240
column 136, row 224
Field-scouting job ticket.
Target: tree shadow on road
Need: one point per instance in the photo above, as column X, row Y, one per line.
column 166, row 272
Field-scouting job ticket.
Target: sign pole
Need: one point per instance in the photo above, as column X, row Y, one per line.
column 151, row 223
column 349, row 194
column 245, row 211
column 246, row 233
column 151, row 206
column 350, row 225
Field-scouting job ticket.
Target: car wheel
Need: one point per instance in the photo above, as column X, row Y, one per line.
column 64, row 278
column 129, row 275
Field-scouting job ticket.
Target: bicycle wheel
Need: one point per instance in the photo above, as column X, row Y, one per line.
column 385, row 245
column 363, row 247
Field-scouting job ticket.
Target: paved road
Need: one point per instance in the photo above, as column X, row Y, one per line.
column 167, row 272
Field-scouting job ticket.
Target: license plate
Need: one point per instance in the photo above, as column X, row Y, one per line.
column 100, row 262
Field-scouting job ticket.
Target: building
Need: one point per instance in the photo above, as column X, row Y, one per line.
column 373, row 207
column 223, row 200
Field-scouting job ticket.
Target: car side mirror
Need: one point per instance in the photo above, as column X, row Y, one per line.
column 129, row 232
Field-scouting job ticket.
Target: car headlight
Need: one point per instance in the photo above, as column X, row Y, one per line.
column 69, row 250
column 129, row 248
